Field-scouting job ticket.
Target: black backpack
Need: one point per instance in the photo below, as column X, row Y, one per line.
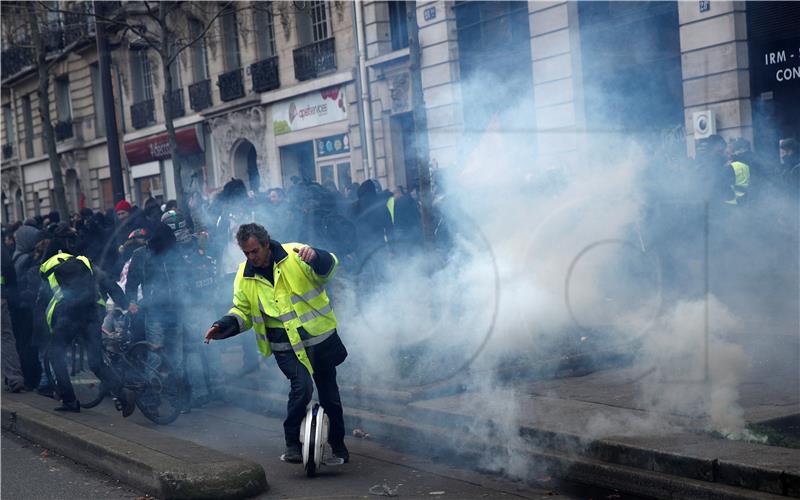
column 76, row 280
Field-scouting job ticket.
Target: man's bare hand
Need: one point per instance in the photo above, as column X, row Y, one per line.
column 211, row 333
column 306, row 254
column 133, row 308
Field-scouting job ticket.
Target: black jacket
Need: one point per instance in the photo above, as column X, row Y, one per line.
column 157, row 268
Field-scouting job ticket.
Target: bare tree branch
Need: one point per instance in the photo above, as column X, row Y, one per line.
column 202, row 33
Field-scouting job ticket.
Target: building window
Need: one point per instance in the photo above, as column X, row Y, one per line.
column 640, row 91
column 19, row 205
column 494, row 39
column 6, row 210
column 398, row 12
column 319, row 20
column 8, row 122
column 150, row 187
column 97, row 95
column 313, row 23
column 27, row 117
column 265, row 29
column 63, row 101
column 106, row 194
column 175, row 72
column 142, row 73
column 199, row 53
column 230, row 41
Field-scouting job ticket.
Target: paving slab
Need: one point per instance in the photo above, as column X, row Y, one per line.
column 160, row 465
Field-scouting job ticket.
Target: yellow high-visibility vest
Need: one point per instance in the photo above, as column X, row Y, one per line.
column 742, row 182
column 58, row 294
column 390, row 206
column 297, row 299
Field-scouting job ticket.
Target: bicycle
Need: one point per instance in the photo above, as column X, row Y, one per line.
column 141, row 366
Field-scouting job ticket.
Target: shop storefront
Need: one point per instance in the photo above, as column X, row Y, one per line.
column 774, row 48
column 151, row 171
column 312, row 134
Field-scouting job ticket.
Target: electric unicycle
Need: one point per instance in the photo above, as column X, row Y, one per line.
column 313, row 436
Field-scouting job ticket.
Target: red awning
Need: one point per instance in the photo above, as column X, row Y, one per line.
column 156, row 147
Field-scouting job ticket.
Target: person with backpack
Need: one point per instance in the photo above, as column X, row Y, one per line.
column 75, row 309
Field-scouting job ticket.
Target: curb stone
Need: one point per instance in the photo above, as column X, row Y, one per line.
column 162, row 474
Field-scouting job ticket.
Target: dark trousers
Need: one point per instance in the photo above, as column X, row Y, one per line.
column 300, row 391
column 22, row 319
column 83, row 321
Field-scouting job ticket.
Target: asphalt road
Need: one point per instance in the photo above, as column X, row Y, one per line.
column 30, row 472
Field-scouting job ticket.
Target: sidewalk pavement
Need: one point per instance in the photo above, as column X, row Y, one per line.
column 593, row 429
column 160, row 465
column 590, row 429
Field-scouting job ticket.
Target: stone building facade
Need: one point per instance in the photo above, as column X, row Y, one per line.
column 579, row 71
column 274, row 92
column 26, row 179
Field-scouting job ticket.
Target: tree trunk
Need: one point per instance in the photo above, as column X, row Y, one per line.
column 40, row 52
column 166, row 53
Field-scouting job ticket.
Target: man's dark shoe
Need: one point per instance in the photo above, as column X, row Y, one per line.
column 71, row 406
column 340, row 451
column 126, row 402
column 293, row 454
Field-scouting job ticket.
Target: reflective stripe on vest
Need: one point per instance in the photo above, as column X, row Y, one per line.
column 390, row 207
column 308, row 296
column 286, row 346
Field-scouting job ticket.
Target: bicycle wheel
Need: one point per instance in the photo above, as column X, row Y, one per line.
column 157, row 387
column 88, row 388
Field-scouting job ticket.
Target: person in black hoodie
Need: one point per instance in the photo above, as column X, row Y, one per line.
column 12, row 370
column 22, row 311
column 157, row 267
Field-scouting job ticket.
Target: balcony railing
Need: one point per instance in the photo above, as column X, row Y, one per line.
column 178, row 108
column 15, row 59
column 54, row 37
column 63, row 130
column 8, row 151
column 143, row 114
column 231, row 85
column 200, row 95
column 265, row 75
column 314, row 60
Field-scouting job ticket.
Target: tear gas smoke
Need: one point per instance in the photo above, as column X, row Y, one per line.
column 546, row 259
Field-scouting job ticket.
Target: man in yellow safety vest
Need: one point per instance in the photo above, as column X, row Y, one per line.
column 279, row 292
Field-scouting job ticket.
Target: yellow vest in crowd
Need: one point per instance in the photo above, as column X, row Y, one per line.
column 297, row 299
column 742, row 172
column 58, row 295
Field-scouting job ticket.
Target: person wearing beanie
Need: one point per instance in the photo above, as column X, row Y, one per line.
column 122, row 209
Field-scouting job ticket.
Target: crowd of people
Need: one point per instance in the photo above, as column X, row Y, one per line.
column 171, row 268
